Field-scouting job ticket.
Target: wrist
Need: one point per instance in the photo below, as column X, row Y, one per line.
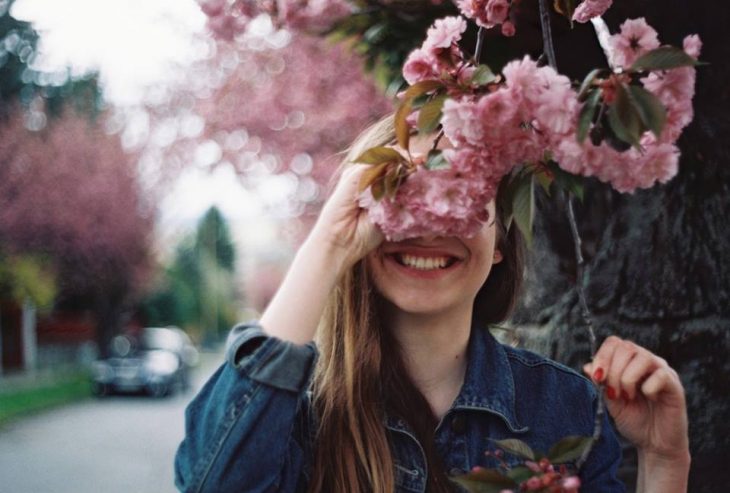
column 665, row 473
column 329, row 249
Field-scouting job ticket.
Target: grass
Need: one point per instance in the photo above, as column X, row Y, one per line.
column 15, row 403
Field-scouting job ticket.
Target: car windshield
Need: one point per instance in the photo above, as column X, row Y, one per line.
column 160, row 339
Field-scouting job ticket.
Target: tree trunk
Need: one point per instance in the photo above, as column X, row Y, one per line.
column 658, row 266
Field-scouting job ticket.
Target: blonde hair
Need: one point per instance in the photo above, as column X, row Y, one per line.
column 351, row 450
column 360, row 371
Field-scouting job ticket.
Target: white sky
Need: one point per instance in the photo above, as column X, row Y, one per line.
column 136, row 44
column 133, row 43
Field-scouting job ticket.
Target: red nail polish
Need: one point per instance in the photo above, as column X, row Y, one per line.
column 610, row 392
column 624, row 395
column 598, row 374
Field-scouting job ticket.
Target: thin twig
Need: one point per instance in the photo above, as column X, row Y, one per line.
column 549, row 51
column 547, row 35
column 481, row 34
column 587, row 321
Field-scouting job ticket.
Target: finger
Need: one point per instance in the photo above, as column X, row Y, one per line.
column 624, row 353
column 663, row 381
column 637, row 371
column 602, row 360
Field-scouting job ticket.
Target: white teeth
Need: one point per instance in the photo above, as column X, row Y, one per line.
column 423, row 263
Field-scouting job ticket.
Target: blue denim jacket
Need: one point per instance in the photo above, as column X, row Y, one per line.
column 249, row 428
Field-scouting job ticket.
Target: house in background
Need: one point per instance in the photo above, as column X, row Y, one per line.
column 30, row 342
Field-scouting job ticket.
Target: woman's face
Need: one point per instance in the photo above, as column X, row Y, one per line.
column 433, row 275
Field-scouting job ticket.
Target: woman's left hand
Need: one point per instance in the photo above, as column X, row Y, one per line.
column 645, row 397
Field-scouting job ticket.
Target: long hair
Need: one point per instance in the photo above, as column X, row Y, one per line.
column 360, row 375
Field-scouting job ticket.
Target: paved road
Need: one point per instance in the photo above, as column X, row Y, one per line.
column 120, row 444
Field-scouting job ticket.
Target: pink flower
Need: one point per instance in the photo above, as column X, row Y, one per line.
column 520, row 74
column 590, row 9
column 461, row 122
column 497, row 11
column 508, row 29
column 571, row 484
column 486, row 13
column 420, row 65
column 451, row 202
column 498, row 111
column 636, row 38
column 692, row 45
column 444, row 32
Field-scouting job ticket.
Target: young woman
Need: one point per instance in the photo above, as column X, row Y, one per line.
column 405, row 385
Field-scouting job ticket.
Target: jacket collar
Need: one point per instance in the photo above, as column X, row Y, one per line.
column 488, row 384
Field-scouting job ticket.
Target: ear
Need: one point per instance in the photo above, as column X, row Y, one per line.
column 497, row 258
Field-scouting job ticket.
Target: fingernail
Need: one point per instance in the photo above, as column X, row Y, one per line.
column 598, row 374
column 624, row 395
column 610, row 392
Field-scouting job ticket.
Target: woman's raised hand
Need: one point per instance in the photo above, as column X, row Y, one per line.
column 645, row 397
column 342, row 235
column 345, row 226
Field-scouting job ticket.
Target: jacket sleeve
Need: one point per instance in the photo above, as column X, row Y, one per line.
column 238, row 429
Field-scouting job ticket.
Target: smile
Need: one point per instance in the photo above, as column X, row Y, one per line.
column 424, row 263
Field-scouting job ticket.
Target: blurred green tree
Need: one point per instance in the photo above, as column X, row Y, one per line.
column 197, row 291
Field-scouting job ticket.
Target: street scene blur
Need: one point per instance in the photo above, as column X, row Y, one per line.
column 162, row 160
column 151, row 194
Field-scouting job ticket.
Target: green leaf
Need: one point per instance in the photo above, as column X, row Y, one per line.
column 585, row 86
column 378, row 189
column 569, row 449
column 485, row 481
column 482, row 76
column 623, row 117
column 371, row 176
column 402, row 129
column 375, row 33
column 544, row 179
column 513, row 445
column 520, row 473
column 651, row 111
column 377, row 155
column 391, row 181
column 423, row 87
column 567, row 181
column 663, row 58
column 523, row 211
column 429, row 115
column 436, row 161
column 587, row 113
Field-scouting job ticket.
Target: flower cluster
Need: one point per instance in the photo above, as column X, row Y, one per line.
column 656, row 157
column 633, row 112
column 536, row 472
column 489, row 13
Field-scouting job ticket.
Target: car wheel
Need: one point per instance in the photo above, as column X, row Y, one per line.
column 99, row 389
column 158, row 389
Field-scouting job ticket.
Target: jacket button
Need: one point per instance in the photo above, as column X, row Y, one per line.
column 458, row 425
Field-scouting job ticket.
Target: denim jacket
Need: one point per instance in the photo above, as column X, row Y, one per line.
column 250, row 430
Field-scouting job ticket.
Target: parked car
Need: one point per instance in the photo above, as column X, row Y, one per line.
column 157, row 362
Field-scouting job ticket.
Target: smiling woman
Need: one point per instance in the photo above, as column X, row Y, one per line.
column 405, row 388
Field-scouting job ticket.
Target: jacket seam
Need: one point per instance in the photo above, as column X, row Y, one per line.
column 235, row 413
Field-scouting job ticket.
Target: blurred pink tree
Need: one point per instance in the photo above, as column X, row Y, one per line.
column 70, row 193
column 271, row 103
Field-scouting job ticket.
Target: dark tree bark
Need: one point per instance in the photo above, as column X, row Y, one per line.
column 658, row 266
